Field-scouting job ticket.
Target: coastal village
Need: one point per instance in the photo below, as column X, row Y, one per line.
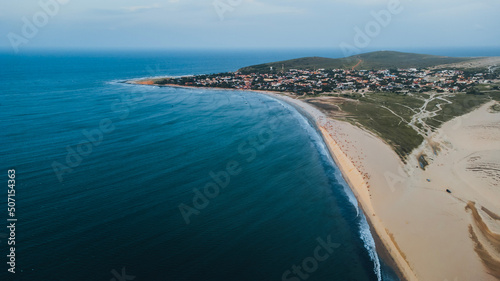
column 323, row 81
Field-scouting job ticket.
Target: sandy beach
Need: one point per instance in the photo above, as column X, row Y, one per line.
column 441, row 223
column 429, row 233
column 357, row 153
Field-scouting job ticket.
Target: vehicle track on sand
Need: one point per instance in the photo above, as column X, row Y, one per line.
column 422, row 114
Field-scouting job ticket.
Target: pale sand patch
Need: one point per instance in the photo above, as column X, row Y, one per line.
column 364, row 160
column 468, row 166
column 425, row 229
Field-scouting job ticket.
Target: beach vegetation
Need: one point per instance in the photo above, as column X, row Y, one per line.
column 391, row 115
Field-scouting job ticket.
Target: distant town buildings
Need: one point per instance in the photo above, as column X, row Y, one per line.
column 339, row 80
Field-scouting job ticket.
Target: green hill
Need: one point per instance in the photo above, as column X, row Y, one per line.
column 368, row 61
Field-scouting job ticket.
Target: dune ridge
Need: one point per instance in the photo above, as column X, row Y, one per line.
column 492, row 264
column 492, row 237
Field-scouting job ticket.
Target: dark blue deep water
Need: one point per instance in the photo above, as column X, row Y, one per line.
column 103, row 170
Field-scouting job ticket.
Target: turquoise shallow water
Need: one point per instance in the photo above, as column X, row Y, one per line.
column 105, row 170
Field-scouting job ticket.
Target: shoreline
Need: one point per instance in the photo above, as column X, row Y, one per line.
column 385, row 249
column 419, row 218
column 403, row 214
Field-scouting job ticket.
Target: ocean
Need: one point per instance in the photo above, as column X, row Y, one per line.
column 129, row 182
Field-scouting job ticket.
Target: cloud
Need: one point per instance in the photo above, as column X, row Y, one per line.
column 366, row 2
column 457, row 11
column 126, row 10
column 196, row 23
column 134, row 9
column 253, row 9
column 258, row 7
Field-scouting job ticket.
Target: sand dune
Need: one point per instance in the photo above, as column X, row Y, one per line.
column 427, row 231
column 492, row 237
column 491, row 214
column 492, row 264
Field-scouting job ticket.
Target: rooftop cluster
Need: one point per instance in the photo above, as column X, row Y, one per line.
column 327, row 81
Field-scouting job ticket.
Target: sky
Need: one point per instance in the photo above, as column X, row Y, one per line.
column 351, row 24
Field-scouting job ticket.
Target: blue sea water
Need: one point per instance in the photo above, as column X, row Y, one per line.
column 105, row 170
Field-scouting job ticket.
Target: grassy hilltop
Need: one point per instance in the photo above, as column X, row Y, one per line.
column 369, row 61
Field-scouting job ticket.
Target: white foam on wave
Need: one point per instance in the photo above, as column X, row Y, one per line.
column 369, row 243
column 347, row 190
column 364, row 227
